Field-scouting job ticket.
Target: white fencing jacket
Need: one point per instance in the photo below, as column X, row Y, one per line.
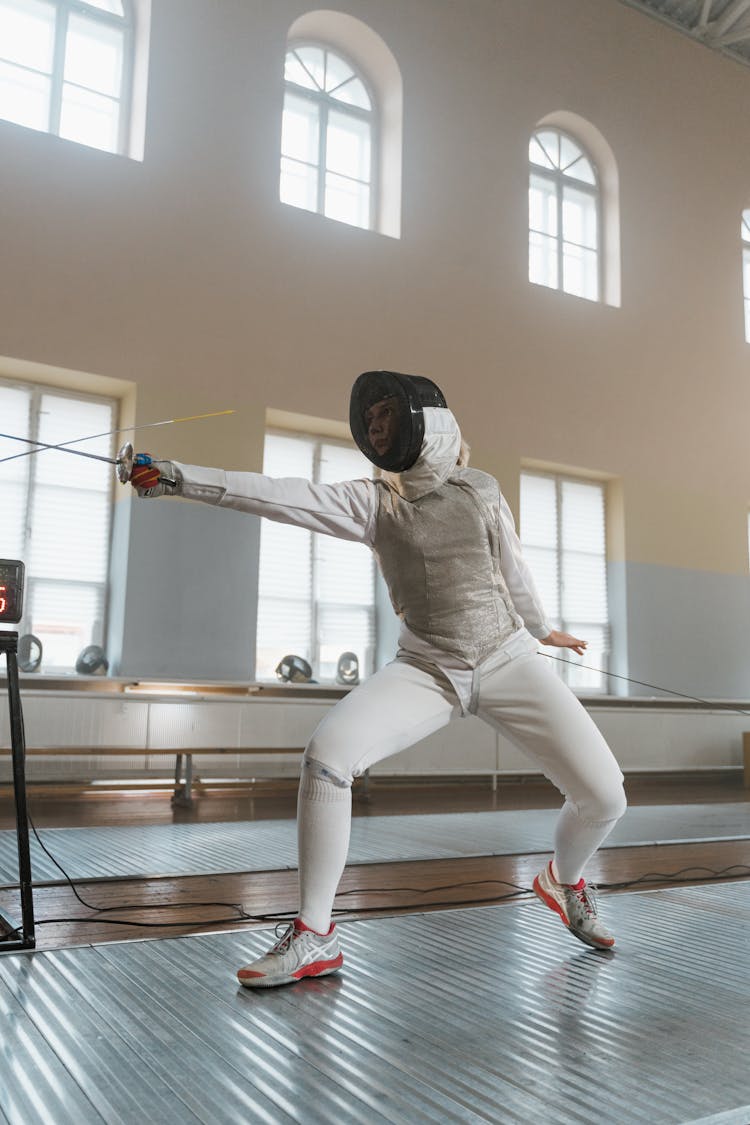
column 349, row 510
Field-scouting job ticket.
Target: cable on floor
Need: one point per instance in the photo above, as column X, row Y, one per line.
column 705, row 874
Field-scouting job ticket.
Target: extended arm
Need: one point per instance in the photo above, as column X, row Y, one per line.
column 345, row 510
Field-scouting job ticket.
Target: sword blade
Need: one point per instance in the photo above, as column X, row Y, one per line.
column 63, row 446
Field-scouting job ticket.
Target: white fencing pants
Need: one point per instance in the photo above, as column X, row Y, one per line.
column 519, row 694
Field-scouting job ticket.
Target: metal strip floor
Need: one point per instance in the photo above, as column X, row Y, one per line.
column 488, row 1015
column 269, row 845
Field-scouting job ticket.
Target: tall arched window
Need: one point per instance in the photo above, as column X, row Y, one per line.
column 327, row 146
column 65, row 67
column 564, row 215
column 746, row 269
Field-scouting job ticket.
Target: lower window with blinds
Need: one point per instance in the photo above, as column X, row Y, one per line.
column 316, row 594
column 563, row 533
column 55, row 515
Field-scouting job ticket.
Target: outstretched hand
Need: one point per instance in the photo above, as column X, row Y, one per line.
column 145, row 478
column 155, row 477
column 565, row 640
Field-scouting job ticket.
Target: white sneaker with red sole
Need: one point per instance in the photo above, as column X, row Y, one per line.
column 300, row 952
column 576, row 905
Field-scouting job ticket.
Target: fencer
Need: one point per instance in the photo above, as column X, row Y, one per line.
column 444, row 539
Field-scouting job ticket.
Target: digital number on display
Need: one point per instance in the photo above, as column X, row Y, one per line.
column 11, row 591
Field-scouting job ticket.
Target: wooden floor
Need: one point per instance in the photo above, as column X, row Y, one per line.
column 57, row 806
column 194, row 904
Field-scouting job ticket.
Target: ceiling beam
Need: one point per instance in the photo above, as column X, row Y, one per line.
column 741, row 35
column 719, row 34
column 728, row 19
column 705, row 15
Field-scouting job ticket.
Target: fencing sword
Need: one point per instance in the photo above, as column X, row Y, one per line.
column 715, row 705
column 124, row 462
column 126, row 459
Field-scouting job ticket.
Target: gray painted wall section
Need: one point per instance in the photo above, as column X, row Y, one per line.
column 688, row 630
column 190, row 607
column 118, row 578
column 618, row 619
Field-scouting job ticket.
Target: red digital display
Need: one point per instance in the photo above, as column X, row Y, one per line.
column 11, row 591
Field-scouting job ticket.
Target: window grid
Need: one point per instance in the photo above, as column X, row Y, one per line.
column 67, row 608
column 314, row 572
column 745, row 233
column 597, row 656
column 94, row 14
column 325, row 102
column 559, row 173
column 312, row 606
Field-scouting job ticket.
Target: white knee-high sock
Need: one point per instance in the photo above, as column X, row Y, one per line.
column 324, row 816
column 576, row 840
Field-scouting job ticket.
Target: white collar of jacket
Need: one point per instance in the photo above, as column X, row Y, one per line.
column 437, row 458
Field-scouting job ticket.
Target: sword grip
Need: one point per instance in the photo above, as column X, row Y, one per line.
column 145, row 459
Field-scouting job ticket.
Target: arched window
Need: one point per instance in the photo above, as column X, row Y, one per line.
column 65, row 66
column 564, row 215
column 746, row 269
column 327, row 136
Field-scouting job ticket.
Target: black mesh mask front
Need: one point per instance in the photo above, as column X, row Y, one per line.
column 386, row 415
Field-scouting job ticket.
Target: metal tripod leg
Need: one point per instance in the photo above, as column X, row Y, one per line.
column 9, row 646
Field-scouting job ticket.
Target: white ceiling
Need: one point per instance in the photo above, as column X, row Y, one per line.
column 723, row 25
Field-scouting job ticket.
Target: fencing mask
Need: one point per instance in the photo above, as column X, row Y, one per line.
column 386, row 416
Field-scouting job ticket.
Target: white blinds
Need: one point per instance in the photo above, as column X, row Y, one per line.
column 316, row 594
column 55, row 514
column 15, row 415
column 563, row 532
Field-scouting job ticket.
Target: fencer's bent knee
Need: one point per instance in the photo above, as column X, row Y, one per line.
column 315, row 768
column 614, row 803
column 603, row 804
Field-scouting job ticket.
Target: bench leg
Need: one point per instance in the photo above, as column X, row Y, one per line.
column 364, row 791
column 188, row 790
column 182, row 795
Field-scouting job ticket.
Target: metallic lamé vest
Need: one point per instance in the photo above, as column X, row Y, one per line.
column 440, row 558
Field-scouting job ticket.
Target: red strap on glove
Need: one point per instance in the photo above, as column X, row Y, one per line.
column 144, row 476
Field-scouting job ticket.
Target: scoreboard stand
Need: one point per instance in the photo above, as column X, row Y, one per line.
column 14, row 936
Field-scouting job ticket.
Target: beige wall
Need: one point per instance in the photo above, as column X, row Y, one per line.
column 185, row 274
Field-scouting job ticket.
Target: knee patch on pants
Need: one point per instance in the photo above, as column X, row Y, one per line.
column 312, row 768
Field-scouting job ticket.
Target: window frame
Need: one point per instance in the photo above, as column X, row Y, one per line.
column 324, row 101
column 63, row 11
column 560, row 478
column 745, row 239
column 37, row 392
column 558, row 178
column 318, row 441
